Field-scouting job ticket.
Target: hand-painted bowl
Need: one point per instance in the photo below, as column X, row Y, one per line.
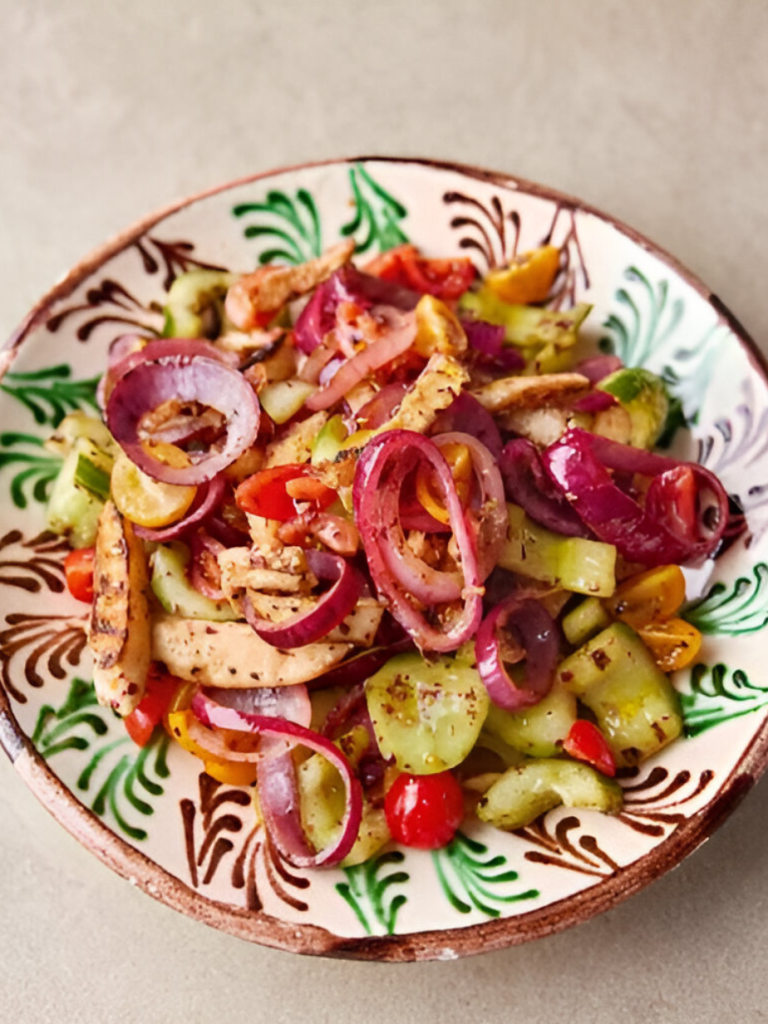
column 194, row 843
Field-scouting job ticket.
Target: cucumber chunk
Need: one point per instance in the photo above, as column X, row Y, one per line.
column 74, row 510
column 538, row 731
column 427, row 715
column 176, row 594
column 644, row 396
column 525, row 792
column 636, row 707
column 573, row 563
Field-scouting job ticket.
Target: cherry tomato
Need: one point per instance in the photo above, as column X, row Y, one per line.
column 586, row 743
column 161, row 689
column 424, row 811
column 78, row 570
column 443, row 278
column 266, row 493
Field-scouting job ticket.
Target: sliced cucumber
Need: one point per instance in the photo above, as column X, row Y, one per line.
column 525, row 792
column 538, row 731
column 74, row 510
column 195, row 306
column 573, row 563
column 634, row 703
column 176, row 594
column 644, row 397
column 583, row 621
column 426, row 715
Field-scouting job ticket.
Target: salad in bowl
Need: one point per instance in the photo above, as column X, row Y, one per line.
column 384, row 549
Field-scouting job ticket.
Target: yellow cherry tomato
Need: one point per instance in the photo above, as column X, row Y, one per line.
column 674, row 643
column 235, row 773
column 145, row 501
column 651, row 596
column 437, row 329
column 428, row 494
column 528, row 278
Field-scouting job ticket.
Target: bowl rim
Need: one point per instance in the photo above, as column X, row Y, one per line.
column 262, row 928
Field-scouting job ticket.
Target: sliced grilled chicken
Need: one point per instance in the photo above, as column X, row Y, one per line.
column 119, row 631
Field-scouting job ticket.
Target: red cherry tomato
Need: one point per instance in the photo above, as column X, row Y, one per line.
column 585, row 742
column 78, row 570
column 443, row 278
column 424, row 811
column 266, row 493
column 161, row 689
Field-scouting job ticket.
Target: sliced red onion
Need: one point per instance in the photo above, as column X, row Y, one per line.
column 291, row 702
column 331, row 609
column 348, row 284
column 597, row 367
column 201, row 544
column 657, row 534
column 488, row 340
column 381, row 407
column 595, row 401
column 528, row 485
column 206, row 501
column 381, row 470
column 186, row 378
column 276, row 781
column 398, row 336
column 466, row 414
column 493, row 522
column 534, row 638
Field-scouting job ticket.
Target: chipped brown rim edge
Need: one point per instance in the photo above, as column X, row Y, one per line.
column 261, row 928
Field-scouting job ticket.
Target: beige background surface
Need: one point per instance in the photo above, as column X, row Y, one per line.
column 654, row 111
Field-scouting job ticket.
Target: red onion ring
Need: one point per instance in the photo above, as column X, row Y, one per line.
column 528, row 485
column 493, row 524
column 186, row 378
column 291, row 702
column 657, row 534
column 396, row 340
column 348, row 284
column 332, row 607
column 535, row 635
column 276, row 781
column 381, row 470
column 207, row 499
column 201, row 544
column 466, row 414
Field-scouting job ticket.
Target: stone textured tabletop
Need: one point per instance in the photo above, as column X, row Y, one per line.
column 655, row 112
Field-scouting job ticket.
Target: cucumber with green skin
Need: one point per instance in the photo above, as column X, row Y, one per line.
column 582, row 622
column 635, row 705
column 583, row 566
column 426, row 715
column 538, row 731
column 73, row 510
column 176, row 594
column 525, row 792
column 195, row 305
column 644, row 396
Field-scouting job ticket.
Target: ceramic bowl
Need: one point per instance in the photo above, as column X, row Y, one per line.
column 150, row 813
